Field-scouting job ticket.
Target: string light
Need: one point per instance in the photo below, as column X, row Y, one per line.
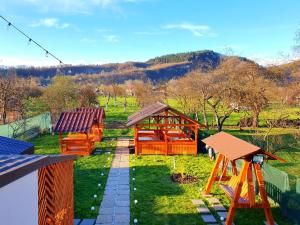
column 30, row 40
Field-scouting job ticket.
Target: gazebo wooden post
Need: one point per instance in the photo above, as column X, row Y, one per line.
column 60, row 142
column 263, row 195
column 213, row 174
column 166, row 131
column 135, row 140
column 196, row 139
column 237, row 192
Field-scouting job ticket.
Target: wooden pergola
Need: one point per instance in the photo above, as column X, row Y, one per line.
column 161, row 129
column 240, row 185
column 98, row 127
column 78, row 125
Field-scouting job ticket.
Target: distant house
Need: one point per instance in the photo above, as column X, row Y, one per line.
column 36, row 189
column 13, row 146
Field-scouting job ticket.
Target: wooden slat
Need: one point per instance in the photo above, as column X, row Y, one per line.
column 55, row 194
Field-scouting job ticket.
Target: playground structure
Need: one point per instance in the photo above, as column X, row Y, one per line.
column 161, row 129
column 240, row 187
column 84, row 126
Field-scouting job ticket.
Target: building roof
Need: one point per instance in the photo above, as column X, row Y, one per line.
column 13, row 146
column 99, row 112
column 153, row 109
column 13, row 167
column 234, row 148
column 75, row 122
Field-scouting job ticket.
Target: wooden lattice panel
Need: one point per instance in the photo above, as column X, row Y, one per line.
column 56, row 194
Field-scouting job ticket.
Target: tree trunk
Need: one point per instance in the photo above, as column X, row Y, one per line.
column 205, row 116
column 107, row 101
column 255, row 119
column 125, row 103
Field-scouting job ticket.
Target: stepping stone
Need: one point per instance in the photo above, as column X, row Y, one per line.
column 122, row 210
column 106, row 211
column 208, row 218
column 198, row 202
column 77, row 221
column 223, row 214
column 213, row 201
column 203, row 209
column 268, row 224
column 219, row 207
column 122, row 218
column 104, row 219
column 88, row 222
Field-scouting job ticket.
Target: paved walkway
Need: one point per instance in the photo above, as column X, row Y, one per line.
column 115, row 206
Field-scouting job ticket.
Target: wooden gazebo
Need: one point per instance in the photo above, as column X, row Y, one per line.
column 161, row 129
column 240, row 185
column 98, row 127
column 78, row 125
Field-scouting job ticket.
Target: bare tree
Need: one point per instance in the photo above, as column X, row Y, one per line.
column 12, row 96
column 87, row 96
column 60, row 96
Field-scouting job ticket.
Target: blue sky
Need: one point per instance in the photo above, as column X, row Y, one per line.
column 103, row 31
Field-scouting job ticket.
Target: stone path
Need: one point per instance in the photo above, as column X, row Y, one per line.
column 115, row 206
column 205, row 212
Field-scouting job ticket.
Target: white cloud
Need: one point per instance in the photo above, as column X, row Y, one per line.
column 26, row 61
column 195, row 29
column 70, row 6
column 50, row 22
column 111, row 38
column 266, row 59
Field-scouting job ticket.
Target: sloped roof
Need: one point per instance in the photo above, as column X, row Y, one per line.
column 234, row 148
column 13, row 146
column 75, row 122
column 99, row 112
column 13, row 167
column 153, row 109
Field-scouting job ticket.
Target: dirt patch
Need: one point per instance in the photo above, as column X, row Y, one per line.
column 185, row 179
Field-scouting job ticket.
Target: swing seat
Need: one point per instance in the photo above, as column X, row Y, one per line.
column 231, row 186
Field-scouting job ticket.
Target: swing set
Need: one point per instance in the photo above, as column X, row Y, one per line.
column 240, row 186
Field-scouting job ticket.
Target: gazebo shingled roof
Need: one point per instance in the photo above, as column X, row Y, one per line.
column 99, row 112
column 75, row 122
column 150, row 110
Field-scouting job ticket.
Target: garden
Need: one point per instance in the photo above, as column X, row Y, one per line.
column 160, row 200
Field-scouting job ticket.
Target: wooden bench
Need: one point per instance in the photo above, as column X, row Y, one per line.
column 77, row 144
column 230, row 188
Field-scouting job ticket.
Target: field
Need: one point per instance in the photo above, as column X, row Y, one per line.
column 161, row 201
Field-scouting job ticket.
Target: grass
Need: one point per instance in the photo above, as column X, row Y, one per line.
column 162, row 202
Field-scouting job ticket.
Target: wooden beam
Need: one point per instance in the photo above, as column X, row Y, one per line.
column 213, row 175
column 263, row 195
column 237, row 193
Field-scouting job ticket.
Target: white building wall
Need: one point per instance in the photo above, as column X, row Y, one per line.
column 19, row 201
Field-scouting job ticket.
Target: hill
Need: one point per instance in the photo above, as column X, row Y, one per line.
column 156, row 69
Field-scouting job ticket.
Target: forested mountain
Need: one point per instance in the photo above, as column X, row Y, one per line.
column 158, row 69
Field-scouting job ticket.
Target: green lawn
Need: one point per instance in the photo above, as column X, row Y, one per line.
column 162, row 202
